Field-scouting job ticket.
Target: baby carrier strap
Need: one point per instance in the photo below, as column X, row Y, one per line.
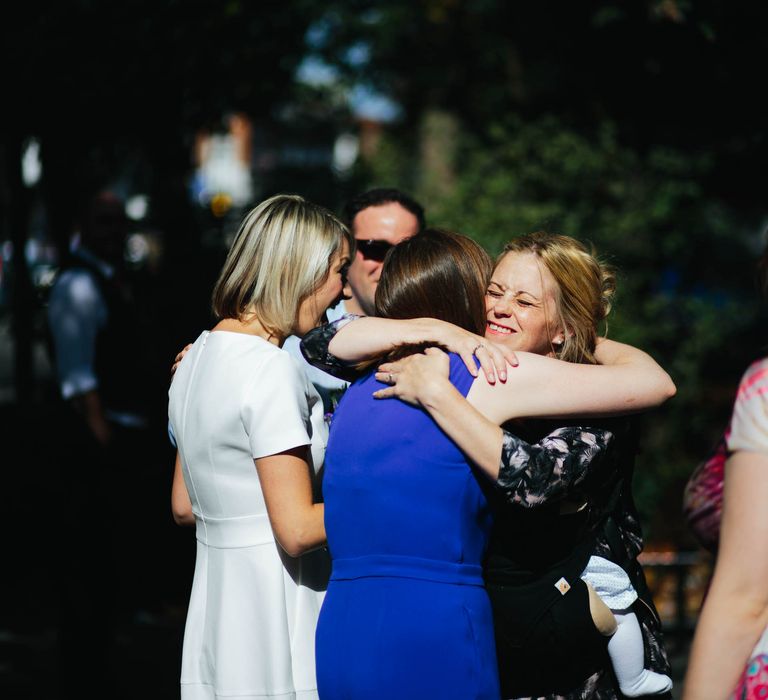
column 521, row 598
column 546, row 641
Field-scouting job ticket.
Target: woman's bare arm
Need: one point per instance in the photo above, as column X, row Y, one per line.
column 181, row 506
column 612, row 352
column 296, row 521
column 368, row 337
column 546, row 387
column 736, row 609
column 539, row 387
column 422, row 379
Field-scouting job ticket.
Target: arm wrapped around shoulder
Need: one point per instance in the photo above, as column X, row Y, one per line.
column 315, row 348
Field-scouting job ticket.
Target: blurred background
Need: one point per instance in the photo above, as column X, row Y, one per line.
column 633, row 126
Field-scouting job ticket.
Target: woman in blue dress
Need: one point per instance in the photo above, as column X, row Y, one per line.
column 406, row 614
column 407, row 517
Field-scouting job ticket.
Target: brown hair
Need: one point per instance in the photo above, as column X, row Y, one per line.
column 437, row 274
column 585, row 288
column 440, row 274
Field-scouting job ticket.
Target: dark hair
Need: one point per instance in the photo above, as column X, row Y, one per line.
column 378, row 197
column 439, row 274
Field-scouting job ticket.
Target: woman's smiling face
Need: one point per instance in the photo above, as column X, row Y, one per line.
column 521, row 306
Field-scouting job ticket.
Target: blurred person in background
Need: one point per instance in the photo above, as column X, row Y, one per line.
column 111, row 565
column 729, row 656
column 89, row 321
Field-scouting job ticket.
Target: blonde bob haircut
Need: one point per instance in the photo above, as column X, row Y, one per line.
column 585, row 289
column 281, row 255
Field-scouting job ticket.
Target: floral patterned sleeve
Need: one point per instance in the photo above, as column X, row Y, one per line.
column 314, row 347
column 532, row 475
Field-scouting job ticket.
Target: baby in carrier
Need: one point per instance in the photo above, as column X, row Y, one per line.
column 612, row 593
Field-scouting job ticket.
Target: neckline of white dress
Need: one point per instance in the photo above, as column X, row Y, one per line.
column 209, row 332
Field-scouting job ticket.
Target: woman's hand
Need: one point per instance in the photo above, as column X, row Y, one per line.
column 493, row 357
column 415, row 378
column 177, row 360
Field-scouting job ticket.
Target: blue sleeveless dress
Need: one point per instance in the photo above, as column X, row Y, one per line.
column 406, row 614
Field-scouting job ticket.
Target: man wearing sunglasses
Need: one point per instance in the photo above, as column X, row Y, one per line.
column 378, row 219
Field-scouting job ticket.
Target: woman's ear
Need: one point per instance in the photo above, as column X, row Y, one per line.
column 559, row 337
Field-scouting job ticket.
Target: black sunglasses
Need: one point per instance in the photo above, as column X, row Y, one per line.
column 373, row 250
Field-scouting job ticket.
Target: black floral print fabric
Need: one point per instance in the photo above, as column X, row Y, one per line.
column 314, row 347
column 532, row 475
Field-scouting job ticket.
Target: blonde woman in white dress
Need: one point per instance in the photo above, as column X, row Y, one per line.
column 251, row 439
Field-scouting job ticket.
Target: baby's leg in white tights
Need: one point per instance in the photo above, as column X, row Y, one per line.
column 626, row 651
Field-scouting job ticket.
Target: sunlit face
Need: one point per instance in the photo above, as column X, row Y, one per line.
column 388, row 224
column 313, row 308
column 520, row 299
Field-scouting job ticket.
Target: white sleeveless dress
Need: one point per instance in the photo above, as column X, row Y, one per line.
column 250, row 629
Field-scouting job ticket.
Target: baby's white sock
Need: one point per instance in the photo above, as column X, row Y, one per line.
column 626, row 651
